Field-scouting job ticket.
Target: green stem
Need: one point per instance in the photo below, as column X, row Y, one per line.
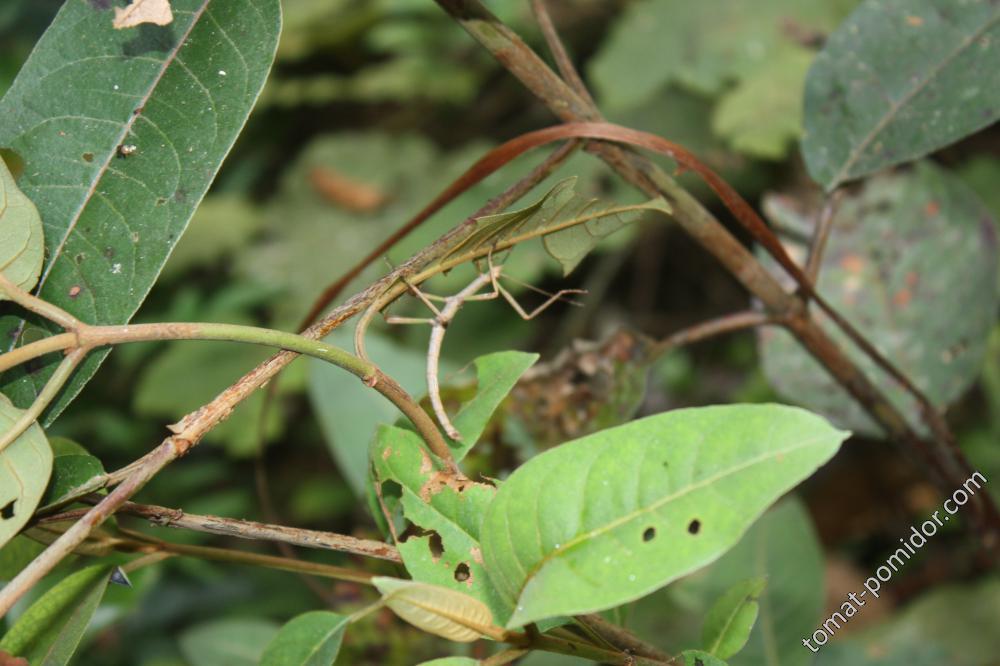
column 92, row 336
column 48, row 393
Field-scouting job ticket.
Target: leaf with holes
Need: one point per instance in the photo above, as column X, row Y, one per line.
column 311, row 639
column 51, row 629
column 731, row 618
column 22, row 246
column 611, row 517
column 570, row 224
column 25, row 467
column 898, row 80
column 437, row 610
column 883, row 270
column 442, row 546
column 121, row 133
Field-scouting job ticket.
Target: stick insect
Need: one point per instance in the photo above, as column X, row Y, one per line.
column 444, row 315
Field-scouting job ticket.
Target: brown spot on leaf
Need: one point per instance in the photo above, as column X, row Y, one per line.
column 477, row 555
column 74, row 291
column 902, row 298
column 932, row 208
column 387, row 453
column 88, row 157
column 914, row 21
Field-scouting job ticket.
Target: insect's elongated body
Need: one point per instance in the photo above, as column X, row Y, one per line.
column 446, row 313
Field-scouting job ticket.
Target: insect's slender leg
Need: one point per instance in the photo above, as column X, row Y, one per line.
column 392, row 319
column 541, row 308
column 425, row 298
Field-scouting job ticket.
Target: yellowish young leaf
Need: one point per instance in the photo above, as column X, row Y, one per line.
column 438, row 610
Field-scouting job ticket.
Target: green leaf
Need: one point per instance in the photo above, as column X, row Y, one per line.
column 496, row 375
column 25, row 467
column 122, row 131
column 611, row 517
column 570, row 224
column 886, row 268
column 17, row 554
column 311, row 639
column 898, row 80
column 450, row 661
column 699, row 658
column 228, row 642
column 51, row 629
column 762, row 116
column 348, row 413
column 436, row 610
column 444, row 548
column 22, row 243
column 72, row 466
column 730, row 620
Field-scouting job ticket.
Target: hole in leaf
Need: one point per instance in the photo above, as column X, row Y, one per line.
column 694, row 526
column 462, row 572
column 7, row 512
column 649, row 534
column 391, row 490
column 436, row 545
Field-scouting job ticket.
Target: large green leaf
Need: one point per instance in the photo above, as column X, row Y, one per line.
column 911, row 261
column 25, row 467
column 22, row 245
column 228, row 642
column 311, row 639
column 121, row 132
column 51, row 629
column 608, row 518
column 900, row 79
column 443, row 545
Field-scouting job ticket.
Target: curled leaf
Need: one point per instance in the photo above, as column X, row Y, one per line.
column 437, row 610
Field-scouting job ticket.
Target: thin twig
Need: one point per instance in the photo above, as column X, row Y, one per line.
column 244, row 529
column 730, row 323
column 48, row 393
column 821, row 234
column 621, row 638
column 558, row 50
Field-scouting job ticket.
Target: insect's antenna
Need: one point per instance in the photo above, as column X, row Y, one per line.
column 538, row 290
